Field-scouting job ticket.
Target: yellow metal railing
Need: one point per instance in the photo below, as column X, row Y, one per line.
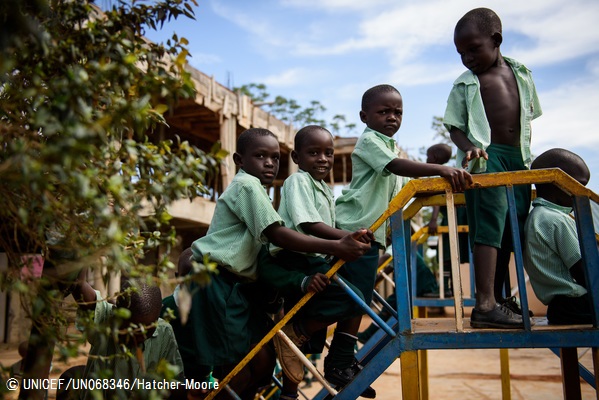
column 428, row 192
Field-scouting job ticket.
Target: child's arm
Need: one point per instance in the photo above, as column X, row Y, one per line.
column 471, row 151
column 458, row 178
column 347, row 248
column 316, row 283
column 324, row 231
column 83, row 293
column 432, row 224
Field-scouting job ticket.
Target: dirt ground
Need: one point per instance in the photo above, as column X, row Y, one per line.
column 476, row 374
column 453, row 374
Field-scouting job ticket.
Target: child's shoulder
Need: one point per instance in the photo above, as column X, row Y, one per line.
column 466, row 78
column 244, row 181
column 300, row 180
column 371, row 136
column 514, row 63
column 299, row 175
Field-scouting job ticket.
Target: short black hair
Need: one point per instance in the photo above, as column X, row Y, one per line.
column 442, row 152
column 485, row 20
column 371, row 94
column 303, row 134
column 184, row 263
column 143, row 300
column 571, row 163
column 245, row 140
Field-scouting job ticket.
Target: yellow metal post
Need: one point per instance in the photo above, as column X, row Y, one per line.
column 409, row 375
column 504, row 359
column 421, row 312
column 595, row 353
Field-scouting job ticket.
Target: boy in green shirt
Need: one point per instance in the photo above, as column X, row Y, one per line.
column 144, row 334
column 552, row 256
column 488, row 115
column 307, row 206
column 377, row 173
column 225, row 323
column 183, row 330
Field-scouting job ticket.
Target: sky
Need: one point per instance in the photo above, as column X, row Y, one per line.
column 333, row 50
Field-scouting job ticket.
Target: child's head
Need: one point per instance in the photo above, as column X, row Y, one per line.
column 439, row 153
column 184, row 264
column 382, row 109
column 314, row 151
column 145, row 303
column 568, row 162
column 477, row 37
column 258, row 154
column 23, row 348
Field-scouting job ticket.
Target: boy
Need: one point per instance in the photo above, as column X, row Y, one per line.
column 552, row 255
column 183, row 331
column 488, row 116
column 144, row 334
column 225, row 324
column 377, row 173
column 307, row 206
column 440, row 153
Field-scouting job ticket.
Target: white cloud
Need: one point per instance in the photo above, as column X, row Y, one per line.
column 558, row 32
column 553, row 30
column 290, row 77
column 198, row 59
column 255, row 23
column 416, row 74
column 336, row 5
column 569, row 116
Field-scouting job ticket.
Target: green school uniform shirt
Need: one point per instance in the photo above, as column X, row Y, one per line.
column 243, row 212
column 372, row 186
column 162, row 345
column 466, row 112
column 305, row 200
column 551, row 248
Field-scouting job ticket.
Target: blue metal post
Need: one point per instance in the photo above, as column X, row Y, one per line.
column 378, row 320
column 588, row 248
column 399, row 231
column 384, row 303
column 518, row 256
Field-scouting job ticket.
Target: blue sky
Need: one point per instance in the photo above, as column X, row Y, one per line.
column 333, row 50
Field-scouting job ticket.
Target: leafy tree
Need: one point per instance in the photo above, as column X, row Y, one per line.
column 82, row 98
column 290, row 111
column 340, row 122
column 256, row 91
column 441, row 132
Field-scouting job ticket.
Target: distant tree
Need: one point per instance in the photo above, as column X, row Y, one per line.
column 441, row 132
column 340, row 122
column 441, row 135
column 290, row 111
column 256, row 91
column 82, row 97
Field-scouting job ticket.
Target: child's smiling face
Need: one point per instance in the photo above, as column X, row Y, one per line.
column 384, row 113
column 316, row 154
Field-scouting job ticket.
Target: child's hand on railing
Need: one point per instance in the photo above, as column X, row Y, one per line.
column 458, row 178
column 352, row 246
column 316, row 283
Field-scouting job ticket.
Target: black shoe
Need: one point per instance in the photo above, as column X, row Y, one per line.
column 341, row 377
column 511, row 304
column 500, row 317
